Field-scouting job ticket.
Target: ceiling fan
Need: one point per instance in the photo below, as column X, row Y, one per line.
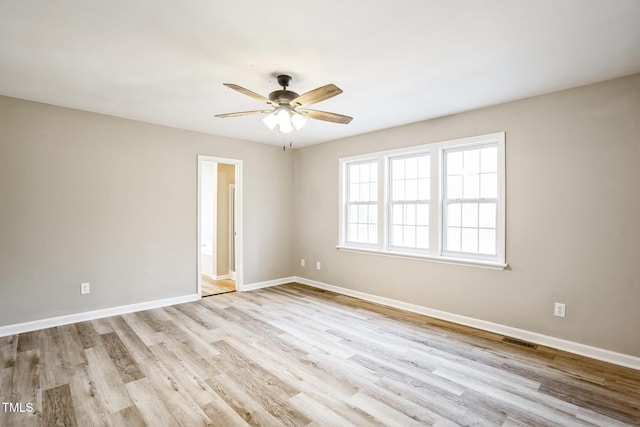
column 289, row 109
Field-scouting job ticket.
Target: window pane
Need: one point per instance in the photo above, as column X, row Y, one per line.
column 487, row 215
column 354, row 193
column 424, row 189
column 471, row 161
column 487, row 242
column 489, row 159
column 372, row 218
column 396, row 214
column 373, row 172
column 353, row 213
column 470, row 240
column 470, row 215
column 454, row 215
column 397, row 168
column 454, row 162
column 352, row 232
column 404, row 231
column 454, row 187
column 410, row 214
column 362, row 233
column 373, row 192
column 364, row 192
column 373, row 234
column 453, row 239
column 422, row 214
column 364, row 172
column 355, row 173
column 411, row 189
column 396, row 235
column 363, row 213
column 398, row 190
column 409, row 236
column 411, row 168
column 422, row 237
column 424, row 167
column 489, row 185
column 471, row 187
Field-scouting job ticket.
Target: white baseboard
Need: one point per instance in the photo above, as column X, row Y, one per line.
column 92, row 315
column 267, row 283
column 533, row 337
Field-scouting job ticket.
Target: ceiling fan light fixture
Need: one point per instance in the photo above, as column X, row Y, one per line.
column 283, row 119
column 270, row 120
column 297, row 120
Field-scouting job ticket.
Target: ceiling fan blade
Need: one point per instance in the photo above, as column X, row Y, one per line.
column 243, row 113
column 248, row 93
column 317, row 95
column 327, row 117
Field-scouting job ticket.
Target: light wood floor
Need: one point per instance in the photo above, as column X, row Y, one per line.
column 293, row 355
column 215, row 287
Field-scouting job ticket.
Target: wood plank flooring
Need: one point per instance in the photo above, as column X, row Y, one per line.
column 298, row 356
column 215, row 287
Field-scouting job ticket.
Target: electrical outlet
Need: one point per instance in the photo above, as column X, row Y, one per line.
column 560, row 310
column 302, row 262
column 318, row 265
column 85, row 288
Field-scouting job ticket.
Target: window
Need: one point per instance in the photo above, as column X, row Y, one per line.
column 441, row 201
column 470, row 200
column 362, row 203
column 409, row 201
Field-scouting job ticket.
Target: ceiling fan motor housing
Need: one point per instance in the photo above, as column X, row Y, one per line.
column 282, row 96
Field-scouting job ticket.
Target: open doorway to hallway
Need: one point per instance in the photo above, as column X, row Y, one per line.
column 219, row 221
column 215, row 287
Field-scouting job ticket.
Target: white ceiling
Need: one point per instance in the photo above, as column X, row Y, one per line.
column 398, row 62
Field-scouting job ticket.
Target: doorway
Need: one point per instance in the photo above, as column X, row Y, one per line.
column 219, row 257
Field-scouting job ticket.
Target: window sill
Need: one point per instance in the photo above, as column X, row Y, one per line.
column 445, row 260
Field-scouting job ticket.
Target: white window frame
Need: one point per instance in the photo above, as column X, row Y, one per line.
column 436, row 250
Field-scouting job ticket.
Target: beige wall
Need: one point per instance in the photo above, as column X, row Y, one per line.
column 88, row 197
column 573, row 218
column 225, row 178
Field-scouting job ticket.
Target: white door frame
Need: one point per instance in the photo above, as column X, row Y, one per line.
column 238, row 211
column 232, row 231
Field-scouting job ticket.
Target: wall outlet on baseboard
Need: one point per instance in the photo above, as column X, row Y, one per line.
column 85, row 288
column 318, row 265
column 560, row 310
column 302, row 262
